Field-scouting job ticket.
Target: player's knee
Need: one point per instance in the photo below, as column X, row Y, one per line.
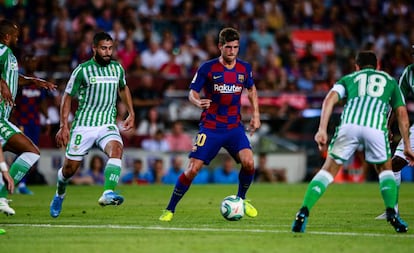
column 248, row 165
column 114, row 150
column 69, row 168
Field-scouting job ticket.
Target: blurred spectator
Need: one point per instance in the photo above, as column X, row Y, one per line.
column 308, row 58
column 136, row 68
column 266, row 174
column 105, row 20
column 127, row 53
column 275, row 18
column 94, row 175
column 203, row 176
column 174, row 172
column 62, row 21
column 83, row 51
column 172, row 69
column 145, row 96
column 118, row 32
column 156, row 142
column 306, row 80
column 137, row 175
column 96, row 169
column 226, row 173
column 157, row 169
column 42, row 41
column 61, row 52
column 178, row 140
column 154, row 57
column 263, row 37
column 149, row 125
column 149, row 9
column 82, row 20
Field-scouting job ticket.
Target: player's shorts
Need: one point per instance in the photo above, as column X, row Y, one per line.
column 349, row 137
column 82, row 139
column 399, row 151
column 7, row 130
column 210, row 141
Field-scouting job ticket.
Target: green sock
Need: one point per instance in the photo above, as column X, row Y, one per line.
column 112, row 173
column 317, row 188
column 388, row 188
column 61, row 184
column 17, row 171
column 397, row 176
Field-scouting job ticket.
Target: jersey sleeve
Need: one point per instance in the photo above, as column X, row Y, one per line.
column 404, row 82
column 75, row 81
column 199, row 78
column 3, row 56
column 250, row 80
column 122, row 79
column 340, row 89
column 397, row 98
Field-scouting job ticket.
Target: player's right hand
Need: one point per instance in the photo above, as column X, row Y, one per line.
column 6, row 95
column 62, row 137
column 205, row 103
column 321, row 138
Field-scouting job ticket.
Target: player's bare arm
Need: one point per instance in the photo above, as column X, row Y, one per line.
column 126, row 98
column 321, row 136
column 404, row 125
column 62, row 136
column 255, row 120
column 194, row 98
column 5, row 93
column 26, row 80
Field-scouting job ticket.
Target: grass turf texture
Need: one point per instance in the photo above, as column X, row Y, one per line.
column 342, row 221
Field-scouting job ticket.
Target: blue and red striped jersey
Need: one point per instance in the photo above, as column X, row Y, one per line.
column 224, row 87
column 28, row 101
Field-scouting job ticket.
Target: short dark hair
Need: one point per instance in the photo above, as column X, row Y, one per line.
column 366, row 59
column 228, row 34
column 7, row 27
column 101, row 36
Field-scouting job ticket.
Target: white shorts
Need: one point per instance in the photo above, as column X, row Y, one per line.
column 399, row 151
column 349, row 137
column 7, row 130
column 82, row 139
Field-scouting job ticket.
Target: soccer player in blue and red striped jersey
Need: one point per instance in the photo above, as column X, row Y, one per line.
column 222, row 81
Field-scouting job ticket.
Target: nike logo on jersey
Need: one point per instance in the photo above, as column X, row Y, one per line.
column 216, row 77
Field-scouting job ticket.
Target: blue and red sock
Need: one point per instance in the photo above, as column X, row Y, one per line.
column 181, row 187
column 245, row 180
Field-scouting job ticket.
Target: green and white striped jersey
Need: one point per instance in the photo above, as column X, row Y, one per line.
column 97, row 88
column 10, row 74
column 369, row 93
column 406, row 81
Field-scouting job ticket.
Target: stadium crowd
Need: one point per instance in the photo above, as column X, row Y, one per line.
column 161, row 43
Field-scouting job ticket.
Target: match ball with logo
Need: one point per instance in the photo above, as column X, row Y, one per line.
column 232, row 208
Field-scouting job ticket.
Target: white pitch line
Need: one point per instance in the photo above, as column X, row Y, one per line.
column 208, row 230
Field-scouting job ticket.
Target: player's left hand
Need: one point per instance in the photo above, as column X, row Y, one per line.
column 321, row 138
column 9, row 182
column 409, row 154
column 128, row 123
column 254, row 125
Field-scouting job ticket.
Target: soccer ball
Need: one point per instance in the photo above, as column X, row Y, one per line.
column 232, row 208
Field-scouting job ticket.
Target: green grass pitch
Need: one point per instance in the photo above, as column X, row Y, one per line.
column 342, row 221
